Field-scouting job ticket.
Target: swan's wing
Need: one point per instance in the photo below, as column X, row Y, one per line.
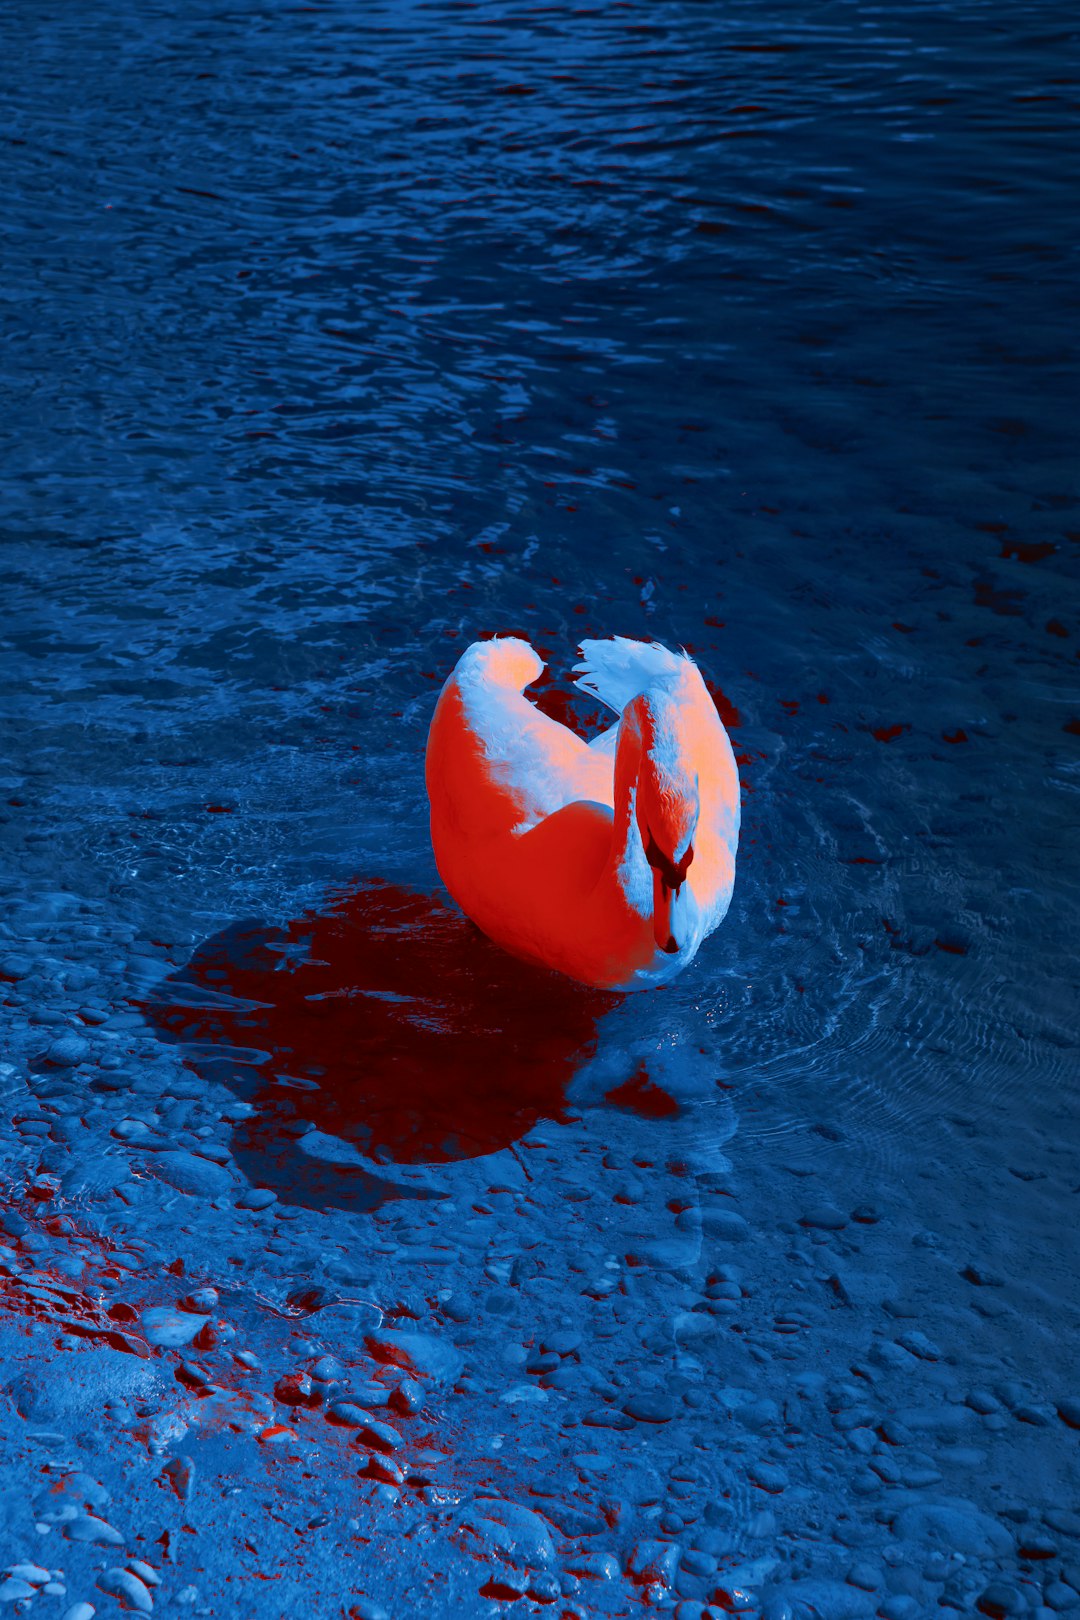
column 504, row 765
column 619, row 670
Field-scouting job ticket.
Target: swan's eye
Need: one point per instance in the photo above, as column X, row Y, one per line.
column 672, row 873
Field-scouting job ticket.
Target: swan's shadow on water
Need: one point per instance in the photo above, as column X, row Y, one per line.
column 383, row 1031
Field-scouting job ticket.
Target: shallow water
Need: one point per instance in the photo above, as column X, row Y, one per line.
column 334, row 341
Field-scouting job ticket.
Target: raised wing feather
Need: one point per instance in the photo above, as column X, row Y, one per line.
column 619, row 670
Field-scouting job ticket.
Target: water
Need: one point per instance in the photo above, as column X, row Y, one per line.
column 336, row 339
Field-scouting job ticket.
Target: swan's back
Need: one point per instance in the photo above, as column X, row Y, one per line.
column 496, row 764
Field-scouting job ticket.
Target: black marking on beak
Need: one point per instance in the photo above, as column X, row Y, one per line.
column 671, row 875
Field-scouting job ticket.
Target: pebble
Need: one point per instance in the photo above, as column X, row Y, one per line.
column 654, row 1562
column 952, row 1527
column 1060, row 1597
column 519, row 1535
column 80, row 1611
column 15, row 967
column 350, row 1414
column 68, row 1051
column 769, row 1477
column 189, row 1174
column 13, row 1589
column 171, row 1329
column 1000, row 1599
column 86, row 1527
column 919, row 1345
column 823, row 1599
column 981, row 1401
column 421, row 1353
column 563, row 1342
column 327, row 1369
column 594, row 1566
column 383, row 1468
column 726, row 1225
column 1029, row 1412
column 1068, row 1410
column 367, row 1609
column 256, row 1198
column 383, row 1436
column 408, row 1397
column 650, row 1406
column 122, row 1584
column 824, row 1217
column 370, row 1396
column 899, row 1606
column 201, row 1301
column 29, row 1572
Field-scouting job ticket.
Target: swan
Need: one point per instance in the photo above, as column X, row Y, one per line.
column 609, row 861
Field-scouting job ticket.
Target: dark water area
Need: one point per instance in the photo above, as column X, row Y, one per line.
column 335, row 338
column 388, row 1022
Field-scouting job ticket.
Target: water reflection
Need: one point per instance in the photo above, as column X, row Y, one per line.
column 384, row 1030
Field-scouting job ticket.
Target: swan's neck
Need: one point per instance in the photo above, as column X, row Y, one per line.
column 656, row 797
column 629, row 866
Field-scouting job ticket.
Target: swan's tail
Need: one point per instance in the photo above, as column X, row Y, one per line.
column 619, row 670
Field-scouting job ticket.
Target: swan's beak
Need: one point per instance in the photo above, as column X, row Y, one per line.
column 665, row 923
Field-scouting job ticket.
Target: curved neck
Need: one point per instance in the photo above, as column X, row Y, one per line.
column 627, row 852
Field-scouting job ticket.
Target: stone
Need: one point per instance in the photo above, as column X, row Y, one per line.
column 954, row 1526
column 899, row 1606
column 383, row 1436
column 650, row 1406
column 1039, row 1417
column 1000, row 1599
column 822, row 1599
column 594, row 1566
column 88, row 1528
column 769, row 1477
column 917, row 1344
column 199, row 1178
column 68, row 1051
column 423, row 1354
column 725, row 1225
column 1068, row 1410
column 29, row 1572
column 12, row 1589
column 515, row 1533
column 256, row 1198
column 653, row 1562
column 824, row 1217
column 171, row 1329
column 122, row 1584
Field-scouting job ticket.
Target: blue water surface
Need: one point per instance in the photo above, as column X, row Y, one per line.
column 335, row 337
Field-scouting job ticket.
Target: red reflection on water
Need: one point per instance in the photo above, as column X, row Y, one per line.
column 409, row 1033
column 643, row 1096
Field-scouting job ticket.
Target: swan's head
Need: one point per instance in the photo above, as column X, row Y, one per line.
column 667, row 806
